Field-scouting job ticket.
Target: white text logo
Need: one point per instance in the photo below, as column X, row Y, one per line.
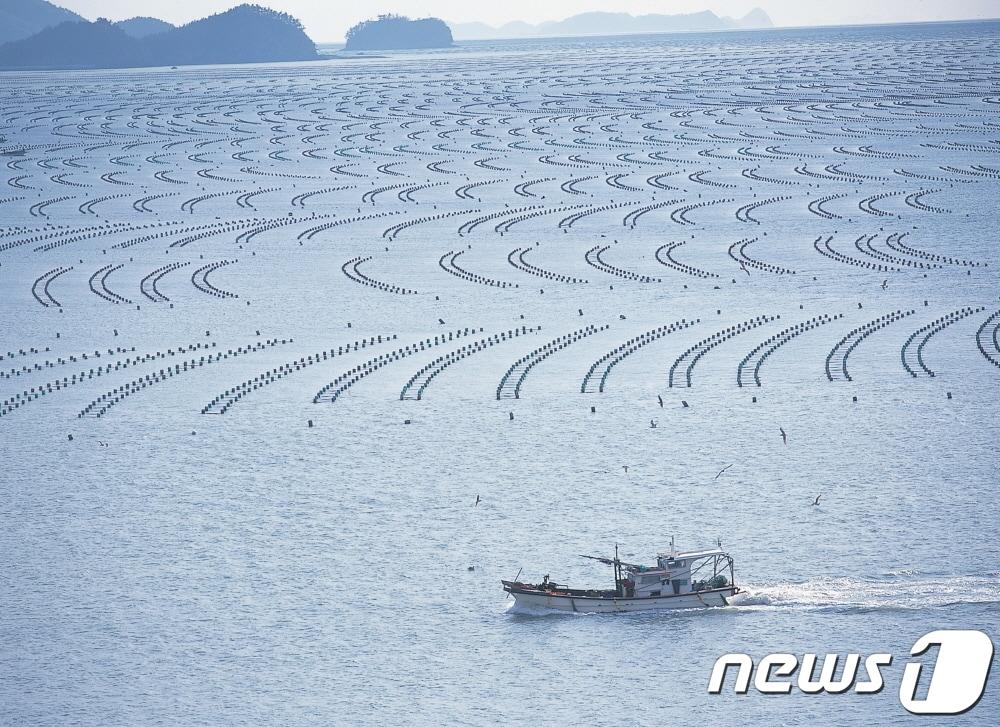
column 957, row 683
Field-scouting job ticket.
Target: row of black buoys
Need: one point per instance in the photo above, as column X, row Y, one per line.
column 173, row 229
column 593, row 258
column 928, row 332
column 199, row 278
column 854, row 337
column 391, row 232
column 59, row 361
column 524, row 266
column 101, row 287
column 632, row 218
column 990, row 329
column 45, row 280
column 664, row 257
column 767, row 347
column 567, row 222
column 506, row 212
column 351, row 266
column 615, row 355
column 35, row 392
column 624, row 351
column 147, row 286
column 895, row 241
column 231, row 396
column 865, row 245
column 431, row 370
column 509, row 387
column 695, row 352
column 119, row 393
column 447, row 263
column 313, row 231
column 824, row 248
column 345, row 381
column 21, row 352
column 679, row 215
column 737, row 251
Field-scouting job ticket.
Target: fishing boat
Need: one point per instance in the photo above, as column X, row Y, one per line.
column 690, row 579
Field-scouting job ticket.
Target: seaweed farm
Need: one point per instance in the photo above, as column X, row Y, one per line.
column 267, row 333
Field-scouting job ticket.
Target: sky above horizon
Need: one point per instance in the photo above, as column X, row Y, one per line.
column 326, row 21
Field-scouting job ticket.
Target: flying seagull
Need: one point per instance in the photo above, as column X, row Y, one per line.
column 816, row 501
column 722, row 470
column 625, row 467
column 652, row 424
column 885, row 284
column 477, row 501
column 784, row 437
column 743, row 267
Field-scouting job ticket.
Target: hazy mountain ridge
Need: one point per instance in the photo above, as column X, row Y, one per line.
column 143, row 27
column 244, row 34
column 605, row 23
column 23, row 18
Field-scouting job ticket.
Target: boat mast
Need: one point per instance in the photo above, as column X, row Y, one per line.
column 618, row 573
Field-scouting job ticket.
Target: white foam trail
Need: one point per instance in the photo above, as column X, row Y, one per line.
column 905, row 590
column 520, row 609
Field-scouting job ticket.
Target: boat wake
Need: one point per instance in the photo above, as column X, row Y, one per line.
column 520, row 609
column 904, row 590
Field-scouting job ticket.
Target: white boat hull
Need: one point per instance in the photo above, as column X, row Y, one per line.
column 581, row 604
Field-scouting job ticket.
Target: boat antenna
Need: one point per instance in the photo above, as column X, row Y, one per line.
column 516, row 577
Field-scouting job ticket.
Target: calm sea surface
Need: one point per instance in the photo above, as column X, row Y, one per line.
column 216, row 509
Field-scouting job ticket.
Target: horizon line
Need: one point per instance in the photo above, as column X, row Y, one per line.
column 690, row 32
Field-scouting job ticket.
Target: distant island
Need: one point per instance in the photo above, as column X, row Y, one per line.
column 600, row 23
column 245, row 34
column 394, row 32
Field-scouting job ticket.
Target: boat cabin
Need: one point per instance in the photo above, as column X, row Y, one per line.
column 675, row 574
column 668, row 578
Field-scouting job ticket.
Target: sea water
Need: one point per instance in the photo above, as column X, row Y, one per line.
column 291, row 562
